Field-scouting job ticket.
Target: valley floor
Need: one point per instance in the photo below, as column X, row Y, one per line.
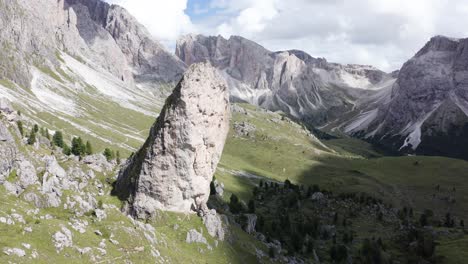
column 261, row 146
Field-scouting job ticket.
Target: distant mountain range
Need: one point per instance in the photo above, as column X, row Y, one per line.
column 65, row 59
column 421, row 109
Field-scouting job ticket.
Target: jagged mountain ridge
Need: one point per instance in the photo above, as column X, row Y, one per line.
column 292, row 81
column 426, row 111
column 84, row 66
column 106, row 34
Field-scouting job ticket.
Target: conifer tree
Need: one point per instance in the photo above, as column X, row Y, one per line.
column 89, row 148
column 32, row 137
column 57, row 139
column 20, row 127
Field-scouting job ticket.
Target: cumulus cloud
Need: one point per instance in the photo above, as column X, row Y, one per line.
column 166, row 20
column 383, row 33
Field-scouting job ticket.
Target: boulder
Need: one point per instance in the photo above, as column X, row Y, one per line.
column 26, row 173
column 174, row 168
column 213, row 224
column 98, row 162
column 55, row 178
column 14, row 252
column 5, row 135
column 62, row 239
column 244, row 129
column 250, row 223
column 317, row 196
column 193, row 236
column 219, row 187
column 5, row 106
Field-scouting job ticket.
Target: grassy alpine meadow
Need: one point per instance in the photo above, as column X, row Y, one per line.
column 280, row 150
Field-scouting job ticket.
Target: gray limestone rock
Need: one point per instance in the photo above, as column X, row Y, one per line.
column 62, row 239
column 98, row 162
column 26, row 173
column 106, row 35
column 250, row 223
column 213, row 223
column 219, row 187
column 193, row 236
column 8, row 152
column 5, row 106
column 245, row 129
column 14, row 252
column 174, row 168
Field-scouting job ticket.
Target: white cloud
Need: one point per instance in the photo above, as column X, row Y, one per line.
column 166, row 20
column 384, row 33
column 253, row 19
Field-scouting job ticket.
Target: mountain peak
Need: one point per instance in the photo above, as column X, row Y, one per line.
column 439, row 43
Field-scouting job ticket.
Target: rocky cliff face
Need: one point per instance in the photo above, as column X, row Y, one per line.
column 86, row 59
column 174, row 168
column 426, row 110
column 107, row 35
column 148, row 59
column 291, row 81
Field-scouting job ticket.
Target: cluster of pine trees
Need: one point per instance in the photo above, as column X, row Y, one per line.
column 78, row 146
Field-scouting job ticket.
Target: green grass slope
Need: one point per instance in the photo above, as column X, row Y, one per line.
column 281, row 150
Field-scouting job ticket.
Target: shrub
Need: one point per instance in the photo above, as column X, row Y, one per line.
column 109, row 154
column 315, row 188
column 287, row 184
column 234, row 205
column 271, row 252
column 251, row 206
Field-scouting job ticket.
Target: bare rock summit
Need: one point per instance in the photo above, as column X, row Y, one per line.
column 174, row 168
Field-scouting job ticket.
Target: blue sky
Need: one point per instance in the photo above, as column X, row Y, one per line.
column 383, row 33
column 200, row 9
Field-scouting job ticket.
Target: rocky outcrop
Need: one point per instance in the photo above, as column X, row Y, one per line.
column 174, row 168
column 250, row 221
column 62, row 239
column 193, row 236
column 244, row 129
column 8, row 152
column 426, row 111
column 98, row 162
column 292, row 81
column 213, row 223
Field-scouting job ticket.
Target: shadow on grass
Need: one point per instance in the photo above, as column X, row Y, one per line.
column 401, row 181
